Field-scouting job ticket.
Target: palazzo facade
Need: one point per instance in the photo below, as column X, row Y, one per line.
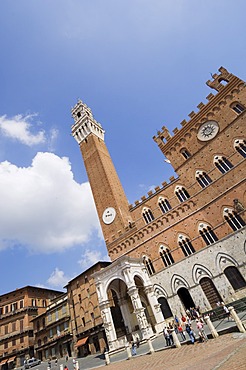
column 183, row 244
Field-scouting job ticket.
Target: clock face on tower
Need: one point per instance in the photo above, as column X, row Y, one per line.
column 208, row 130
column 109, row 215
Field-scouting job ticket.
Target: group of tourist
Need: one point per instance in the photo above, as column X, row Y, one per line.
column 183, row 326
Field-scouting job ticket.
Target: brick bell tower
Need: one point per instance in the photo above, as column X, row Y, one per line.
column 110, row 200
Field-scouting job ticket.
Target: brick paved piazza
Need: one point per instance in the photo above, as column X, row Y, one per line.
column 227, row 352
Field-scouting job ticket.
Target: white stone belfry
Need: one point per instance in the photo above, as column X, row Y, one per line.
column 85, row 123
column 137, row 301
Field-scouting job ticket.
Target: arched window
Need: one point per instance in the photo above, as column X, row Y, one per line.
column 39, row 342
column 240, row 146
column 222, row 164
column 185, row 153
column 148, row 264
column 148, row 215
column 164, row 205
column 203, row 179
column 233, row 219
column 186, row 245
column 166, row 256
column 235, row 278
column 237, row 107
column 181, row 193
column 207, row 234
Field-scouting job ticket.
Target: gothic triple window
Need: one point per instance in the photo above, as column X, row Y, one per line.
column 166, row 256
column 186, row 245
column 238, row 108
column 164, row 205
column 148, row 264
column 233, row 219
column 181, row 193
column 222, row 163
column 207, row 234
column 203, row 179
column 148, row 215
column 240, row 146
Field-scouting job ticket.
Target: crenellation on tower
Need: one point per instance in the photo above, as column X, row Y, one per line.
column 224, row 77
column 183, row 123
column 200, row 105
column 210, row 96
column 192, row 114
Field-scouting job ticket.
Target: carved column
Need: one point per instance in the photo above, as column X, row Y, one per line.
column 155, row 306
column 144, row 327
column 125, row 313
column 108, row 325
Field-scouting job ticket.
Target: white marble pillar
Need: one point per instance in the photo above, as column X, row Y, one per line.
column 237, row 320
column 144, row 326
column 125, row 313
column 108, row 325
column 155, row 306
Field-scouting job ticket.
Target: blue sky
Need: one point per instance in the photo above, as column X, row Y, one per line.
column 138, row 65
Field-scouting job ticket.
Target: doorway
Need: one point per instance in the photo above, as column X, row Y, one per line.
column 185, row 298
column 210, row 291
column 165, row 308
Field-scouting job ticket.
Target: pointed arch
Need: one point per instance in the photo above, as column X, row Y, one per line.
column 181, row 193
column 223, row 260
column 186, row 245
column 222, row 164
column 164, row 204
column 199, row 272
column 202, row 178
column 166, row 255
column 147, row 215
column 178, row 282
column 160, row 291
column 240, row 147
column 234, row 220
column 207, row 233
column 149, row 265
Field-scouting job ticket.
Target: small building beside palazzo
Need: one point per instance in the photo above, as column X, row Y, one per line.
column 182, row 245
column 17, row 311
column 86, row 324
column 52, row 332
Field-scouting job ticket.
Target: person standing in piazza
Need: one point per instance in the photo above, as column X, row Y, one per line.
column 190, row 332
column 227, row 312
column 201, row 331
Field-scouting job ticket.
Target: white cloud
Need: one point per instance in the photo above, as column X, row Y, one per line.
column 90, row 257
column 52, row 139
column 43, row 208
column 18, row 128
column 58, row 279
